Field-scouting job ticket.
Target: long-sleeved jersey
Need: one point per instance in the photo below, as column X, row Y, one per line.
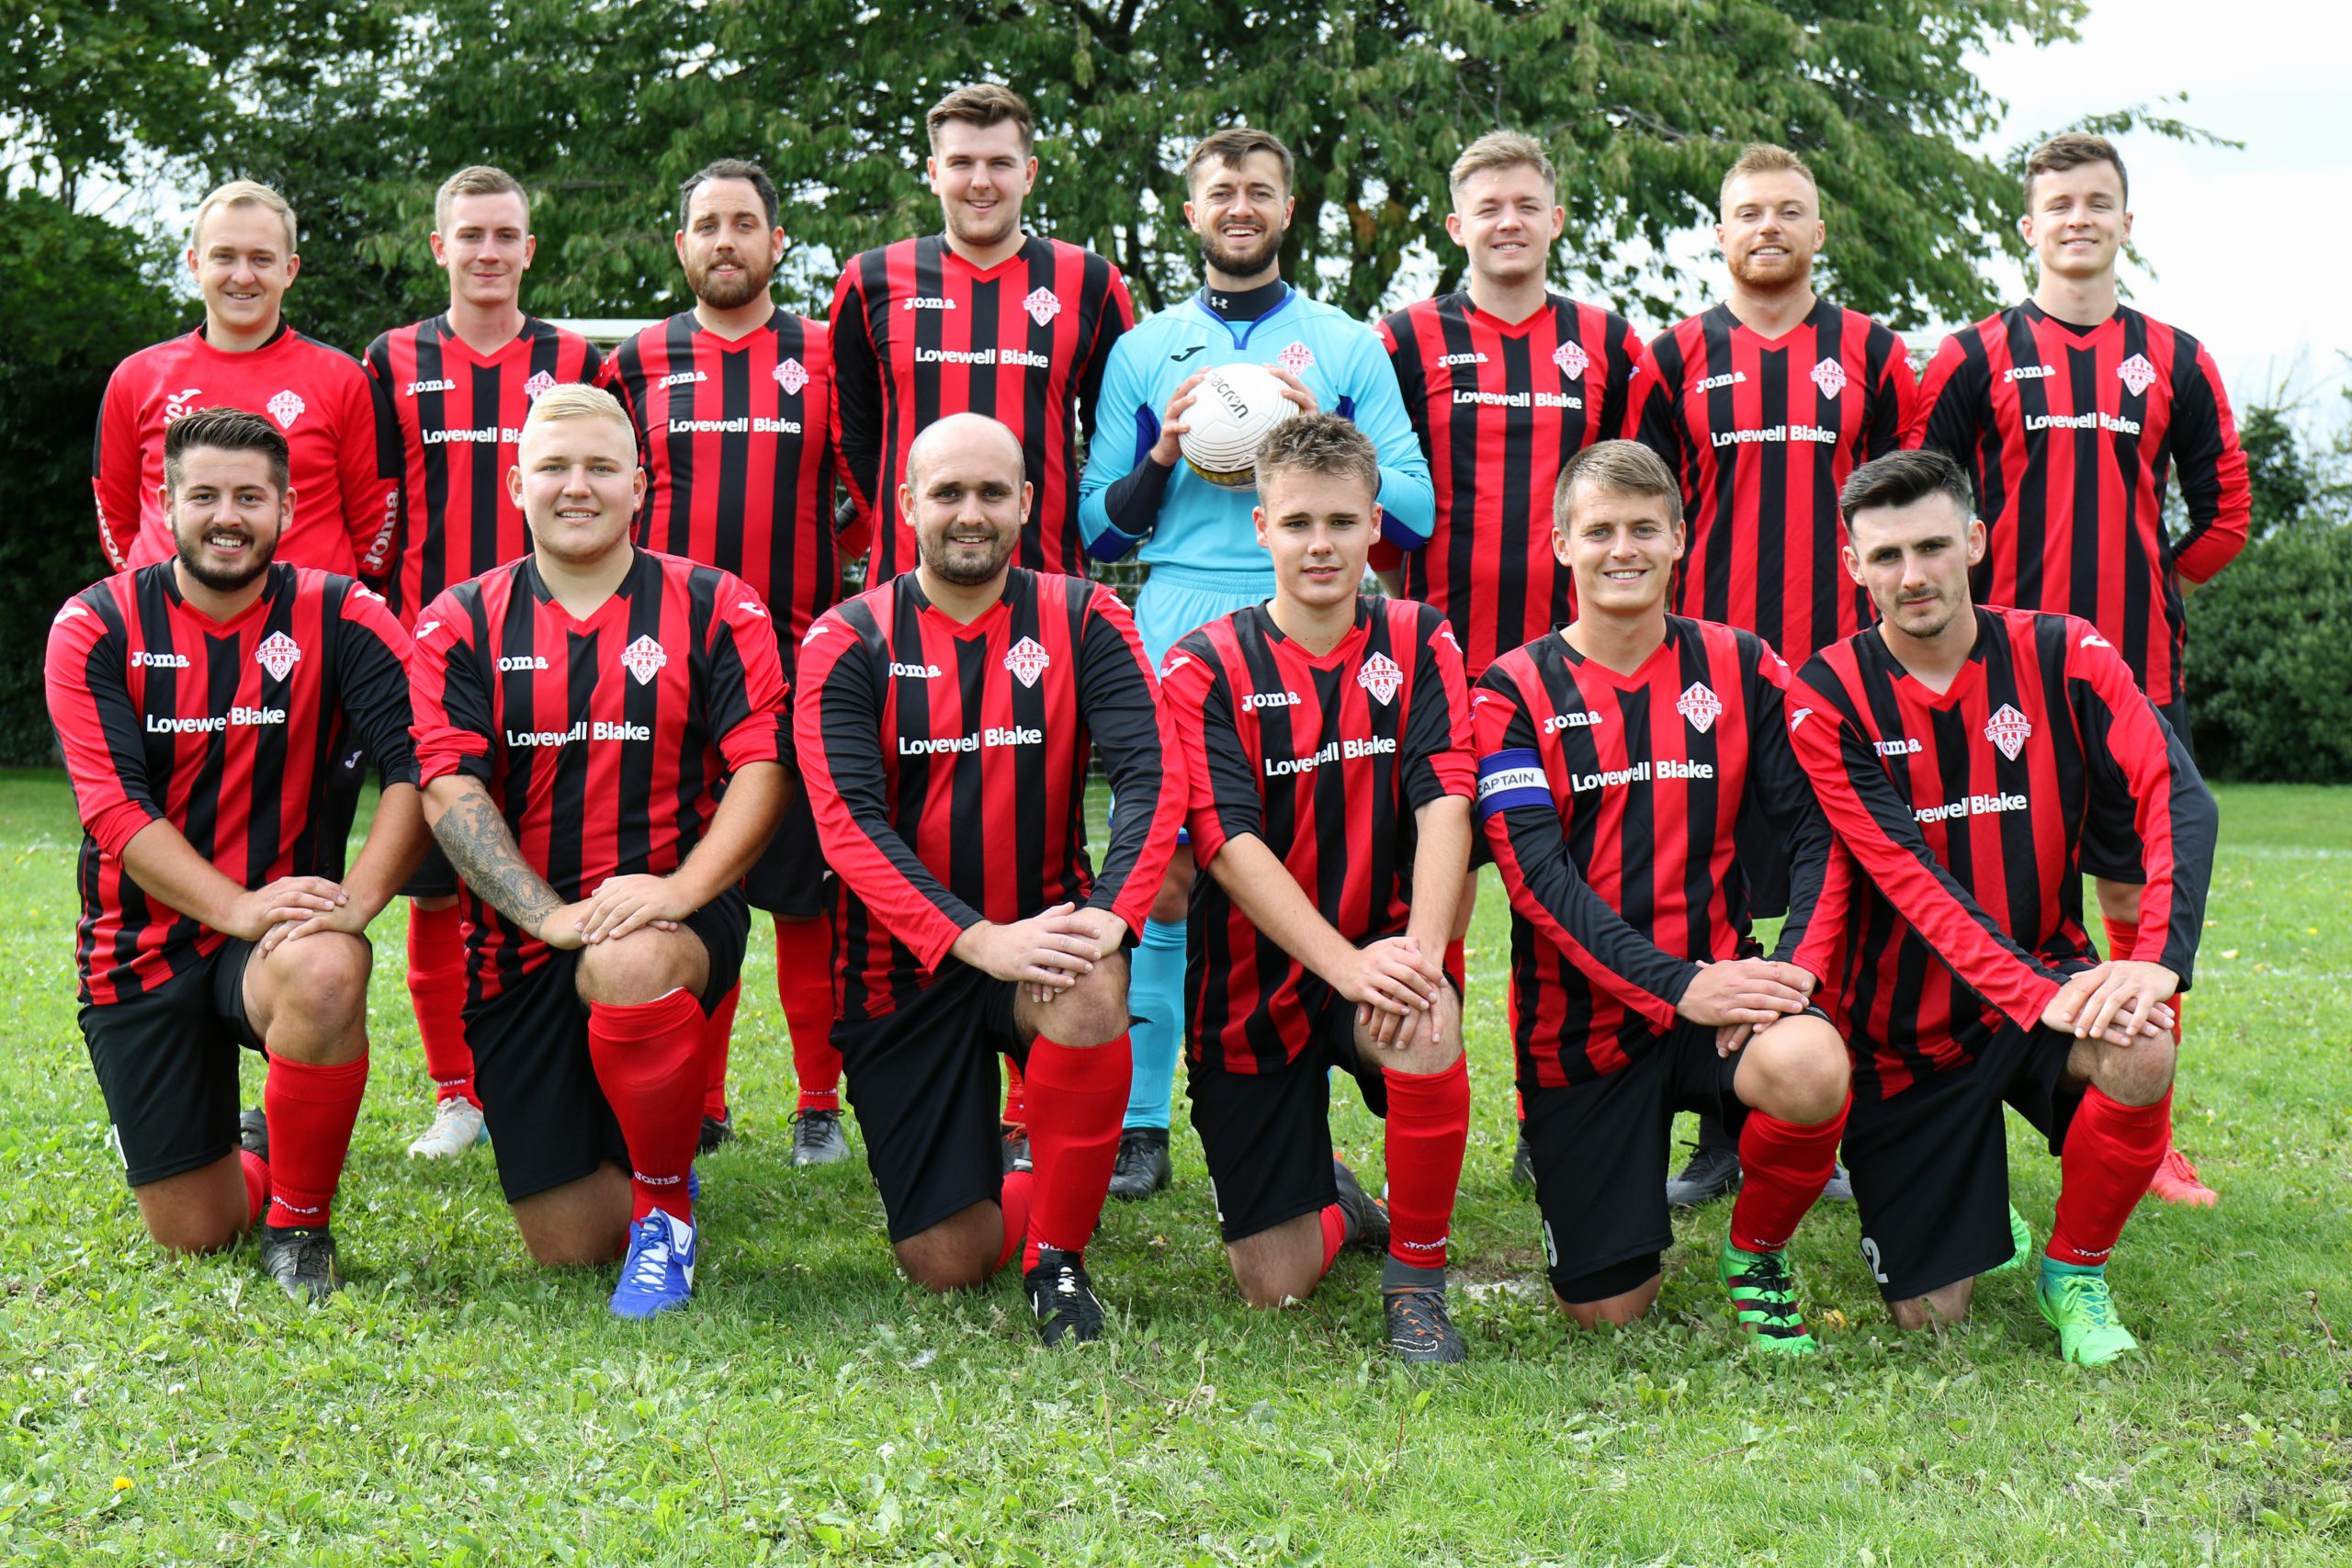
column 736, row 440
column 946, row 766
column 1956, row 900
column 603, row 742
column 459, row 417
column 1200, row 525
column 1761, row 433
column 919, row 334
column 343, row 461
column 244, row 734
column 1611, row 802
column 1324, row 759
column 1499, row 408
column 2070, row 435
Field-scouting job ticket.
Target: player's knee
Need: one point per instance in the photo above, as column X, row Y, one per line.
column 189, row 1233
column 2139, row 1074
column 1092, row 1012
column 639, row 967
column 1804, row 1070
column 941, row 1265
column 323, row 977
column 1939, row 1308
column 1173, row 902
column 2118, row 900
column 1269, row 1284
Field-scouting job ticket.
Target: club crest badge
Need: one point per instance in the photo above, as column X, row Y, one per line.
column 644, row 659
column 284, row 408
column 277, row 654
column 791, row 375
column 1830, row 377
column 1027, row 660
column 2009, row 730
column 1700, row 706
column 540, row 381
column 1296, row 359
column 1571, row 358
column 1042, row 305
column 1381, row 677
column 2136, row 374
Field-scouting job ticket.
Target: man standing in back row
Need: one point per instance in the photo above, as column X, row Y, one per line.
column 2069, row 413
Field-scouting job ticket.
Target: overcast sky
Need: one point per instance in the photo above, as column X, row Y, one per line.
column 2248, row 246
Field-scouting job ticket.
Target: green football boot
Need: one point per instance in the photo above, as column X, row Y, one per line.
column 1764, row 1299
column 2022, row 1236
column 2081, row 1308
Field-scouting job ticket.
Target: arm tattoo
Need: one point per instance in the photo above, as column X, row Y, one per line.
column 475, row 838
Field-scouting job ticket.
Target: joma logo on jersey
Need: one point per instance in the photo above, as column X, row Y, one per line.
column 1462, row 359
column 915, row 671
column 928, row 302
column 1253, row 700
column 679, row 378
column 2028, row 372
column 277, row 654
column 1582, row 718
column 1732, row 378
column 142, row 660
column 521, row 661
column 1903, row 746
column 413, row 388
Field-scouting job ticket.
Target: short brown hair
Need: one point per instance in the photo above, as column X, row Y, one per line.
column 1319, row 444
column 478, row 179
column 243, row 193
column 729, row 169
column 2071, row 149
column 1764, row 158
column 981, row 105
column 1500, row 149
column 1232, row 146
column 1626, row 468
column 220, row 428
column 1903, row 479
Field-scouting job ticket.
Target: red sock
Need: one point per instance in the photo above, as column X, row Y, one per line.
column 436, row 988
column 1519, row 1106
column 1016, row 1094
column 2112, row 1151
column 804, row 984
column 256, row 1171
column 1335, row 1234
column 649, row 1062
column 1783, row 1166
column 1428, row 1125
column 311, row 1111
column 1074, row 1138
column 2122, row 936
column 1020, row 1190
column 718, row 1033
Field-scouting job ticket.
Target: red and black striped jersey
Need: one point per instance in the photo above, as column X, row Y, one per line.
column 1611, row 802
column 918, row 332
column 946, row 766
column 737, row 440
column 247, row 735
column 2070, row 434
column 459, row 415
column 604, row 742
column 1961, row 818
column 1324, row 759
column 1499, row 407
column 343, row 461
column 1762, row 432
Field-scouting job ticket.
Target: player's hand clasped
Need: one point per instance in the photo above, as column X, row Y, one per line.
column 2121, row 1002
column 259, row 914
column 1740, row 996
column 1394, row 986
column 1048, row 953
column 620, row 905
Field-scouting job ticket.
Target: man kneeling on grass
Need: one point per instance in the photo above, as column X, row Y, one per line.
column 213, row 709
column 1618, row 758
column 1327, row 739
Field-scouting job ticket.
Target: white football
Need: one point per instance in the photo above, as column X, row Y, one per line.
column 1233, row 408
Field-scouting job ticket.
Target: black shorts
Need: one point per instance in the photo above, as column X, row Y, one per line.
column 167, row 1063
column 434, row 877
column 549, row 1123
column 1268, row 1135
column 788, row 878
column 924, row 1081
column 1602, row 1151
column 2110, row 850
column 1931, row 1166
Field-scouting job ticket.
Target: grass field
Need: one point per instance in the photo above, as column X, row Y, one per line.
column 457, row 1405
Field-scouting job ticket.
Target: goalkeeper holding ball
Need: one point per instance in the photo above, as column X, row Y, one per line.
column 1195, row 535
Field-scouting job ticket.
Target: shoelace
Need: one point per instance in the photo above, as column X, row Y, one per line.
column 653, row 1257
column 2178, row 1165
column 2090, row 1298
column 1417, row 1313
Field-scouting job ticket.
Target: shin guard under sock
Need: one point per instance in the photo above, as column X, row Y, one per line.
column 1784, row 1166
column 1429, row 1126
column 649, row 1062
column 1075, row 1095
column 1155, row 1000
column 436, row 988
column 311, row 1111
column 2111, row 1153
column 804, row 984
column 718, row 1035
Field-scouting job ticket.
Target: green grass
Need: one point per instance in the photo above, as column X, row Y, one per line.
column 457, row 1405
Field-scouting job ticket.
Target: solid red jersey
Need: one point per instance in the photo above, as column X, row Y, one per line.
column 946, row 765
column 247, row 735
column 1324, row 759
column 738, row 442
column 605, row 741
column 344, row 465
column 1613, row 804
column 1962, row 815
column 460, row 418
column 2070, row 434
column 1499, row 407
column 918, row 332
column 1761, row 433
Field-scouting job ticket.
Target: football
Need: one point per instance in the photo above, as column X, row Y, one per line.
column 1233, row 408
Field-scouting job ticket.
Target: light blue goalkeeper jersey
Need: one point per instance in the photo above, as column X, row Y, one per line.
column 1203, row 527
